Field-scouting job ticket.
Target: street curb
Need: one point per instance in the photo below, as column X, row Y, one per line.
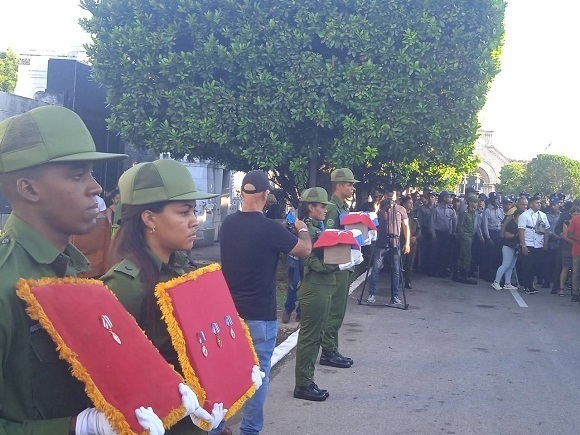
column 287, row 345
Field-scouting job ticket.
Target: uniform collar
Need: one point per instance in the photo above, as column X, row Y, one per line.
column 177, row 260
column 40, row 249
column 339, row 202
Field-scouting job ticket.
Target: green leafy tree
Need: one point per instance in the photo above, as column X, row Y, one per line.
column 549, row 174
column 299, row 87
column 8, row 70
column 513, row 178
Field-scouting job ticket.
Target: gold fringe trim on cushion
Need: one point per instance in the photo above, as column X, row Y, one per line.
column 36, row 312
column 177, row 338
column 165, row 304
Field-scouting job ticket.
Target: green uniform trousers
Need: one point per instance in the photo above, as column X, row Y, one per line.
column 337, row 310
column 314, row 305
column 464, row 259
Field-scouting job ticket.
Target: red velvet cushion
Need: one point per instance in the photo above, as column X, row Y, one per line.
column 225, row 374
column 335, row 237
column 128, row 375
column 353, row 218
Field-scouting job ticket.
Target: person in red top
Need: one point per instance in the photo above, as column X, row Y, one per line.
column 573, row 234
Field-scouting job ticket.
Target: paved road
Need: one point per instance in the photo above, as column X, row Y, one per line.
column 462, row 360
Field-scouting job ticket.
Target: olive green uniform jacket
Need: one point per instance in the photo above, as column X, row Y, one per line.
column 315, row 294
column 465, row 225
column 340, row 293
column 125, row 281
column 38, row 394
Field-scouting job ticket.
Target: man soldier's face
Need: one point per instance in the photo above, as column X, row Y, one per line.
column 345, row 190
column 65, row 196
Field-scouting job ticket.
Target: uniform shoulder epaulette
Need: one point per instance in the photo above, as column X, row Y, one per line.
column 7, row 244
column 127, row 267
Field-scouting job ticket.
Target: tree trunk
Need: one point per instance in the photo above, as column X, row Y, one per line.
column 312, row 169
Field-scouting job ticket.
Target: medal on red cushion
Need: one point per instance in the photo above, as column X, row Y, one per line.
column 216, row 330
column 230, row 324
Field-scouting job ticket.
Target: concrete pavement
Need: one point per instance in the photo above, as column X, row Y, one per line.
column 462, row 360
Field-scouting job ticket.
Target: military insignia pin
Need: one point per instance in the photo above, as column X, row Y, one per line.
column 201, row 340
column 216, row 330
column 108, row 325
column 230, row 324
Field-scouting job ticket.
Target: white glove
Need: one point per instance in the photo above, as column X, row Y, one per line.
column 345, row 266
column 356, row 257
column 373, row 235
column 257, row 376
column 93, row 422
column 217, row 415
column 191, row 404
column 149, row 421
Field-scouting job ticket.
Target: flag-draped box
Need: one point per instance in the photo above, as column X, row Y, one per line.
column 192, row 305
column 107, row 351
column 337, row 245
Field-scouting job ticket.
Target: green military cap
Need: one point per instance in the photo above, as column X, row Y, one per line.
column 159, row 181
column 471, row 198
column 343, row 175
column 44, row 135
column 315, row 194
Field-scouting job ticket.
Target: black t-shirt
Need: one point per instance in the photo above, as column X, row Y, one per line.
column 512, row 228
column 250, row 245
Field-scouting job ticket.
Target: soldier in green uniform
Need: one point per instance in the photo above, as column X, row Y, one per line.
column 158, row 224
column 46, row 159
column 465, row 228
column 315, row 293
column 343, row 188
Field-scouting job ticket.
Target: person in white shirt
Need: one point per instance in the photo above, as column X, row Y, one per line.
column 532, row 231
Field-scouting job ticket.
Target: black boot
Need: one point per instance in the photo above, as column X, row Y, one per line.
column 309, row 393
column 464, row 278
column 322, row 390
column 332, row 359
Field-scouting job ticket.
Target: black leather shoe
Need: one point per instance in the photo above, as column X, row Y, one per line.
column 333, row 360
column 322, row 390
column 309, row 393
column 347, row 359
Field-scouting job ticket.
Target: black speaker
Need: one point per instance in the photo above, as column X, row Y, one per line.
column 4, row 206
column 71, row 82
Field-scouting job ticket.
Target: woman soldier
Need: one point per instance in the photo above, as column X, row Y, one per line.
column 158, row 223
column 314, row 296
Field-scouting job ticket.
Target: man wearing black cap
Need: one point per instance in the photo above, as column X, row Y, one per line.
column 250, row 245
column 491, row 229
column 442, row 227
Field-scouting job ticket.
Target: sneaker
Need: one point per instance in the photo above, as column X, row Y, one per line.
column 510, row 287
column 496, row 285
column 396, row 301
column 533, row 290
column 574, row 298
column 372, row 299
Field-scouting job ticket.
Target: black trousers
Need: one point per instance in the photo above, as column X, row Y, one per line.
column 441, row 253
column 531, row 264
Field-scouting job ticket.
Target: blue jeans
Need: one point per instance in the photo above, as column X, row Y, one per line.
column 294, row 276
column 394, row 255
column 264, row 337
column 509, row 259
